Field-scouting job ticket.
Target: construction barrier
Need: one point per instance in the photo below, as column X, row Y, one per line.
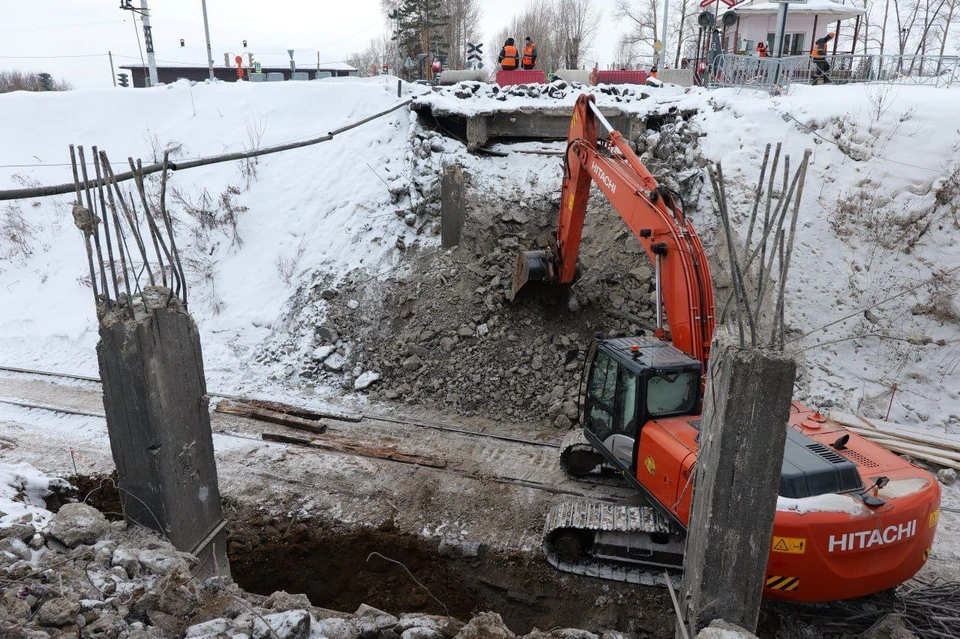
column 621, row 77
column 451, row 76
column 573, row 75
column 521, row 76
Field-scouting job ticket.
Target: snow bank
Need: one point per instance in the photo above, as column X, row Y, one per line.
column 22, row 492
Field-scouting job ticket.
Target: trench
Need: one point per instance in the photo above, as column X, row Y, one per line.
column 333, row 566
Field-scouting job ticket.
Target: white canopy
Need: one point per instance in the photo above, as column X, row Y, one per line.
column 833, row 11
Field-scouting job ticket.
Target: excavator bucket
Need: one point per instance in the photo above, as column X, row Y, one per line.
column 532, row 266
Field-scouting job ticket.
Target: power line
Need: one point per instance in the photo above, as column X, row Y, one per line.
column 51, row 57
column 61, row 26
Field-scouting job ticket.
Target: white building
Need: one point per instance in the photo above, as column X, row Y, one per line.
column 806, row 23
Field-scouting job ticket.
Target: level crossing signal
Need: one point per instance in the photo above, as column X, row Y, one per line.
column 122, row 79
column 475, row 55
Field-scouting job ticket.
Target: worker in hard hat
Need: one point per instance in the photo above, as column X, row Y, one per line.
column 819, row 56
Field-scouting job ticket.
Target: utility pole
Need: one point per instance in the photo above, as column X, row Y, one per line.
column 148, row 42
column 206, row 31
column 781, row 29
column 661, row 54
column 113, row 73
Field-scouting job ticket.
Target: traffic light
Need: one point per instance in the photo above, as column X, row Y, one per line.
column 46, row 81
column 123, row 79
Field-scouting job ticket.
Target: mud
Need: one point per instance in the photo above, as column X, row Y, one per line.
column 335, row 569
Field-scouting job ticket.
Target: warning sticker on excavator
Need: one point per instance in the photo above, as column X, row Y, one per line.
column 790, row 545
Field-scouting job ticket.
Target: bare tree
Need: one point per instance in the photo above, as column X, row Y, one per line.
column 463, row 27
column 538, row 22
column 576, row 22
column 381, row 52
column 642, row 18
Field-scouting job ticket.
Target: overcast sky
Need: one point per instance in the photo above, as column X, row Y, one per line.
column 35, row 35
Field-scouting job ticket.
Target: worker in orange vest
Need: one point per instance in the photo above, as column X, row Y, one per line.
column 529, row 53
column 762, row 49
column 819, row 55
column 509, row 58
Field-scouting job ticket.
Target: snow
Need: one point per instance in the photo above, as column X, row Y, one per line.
column 326, row 210
column 833, row 10
column 829, row 503
column 321, row 207
column 22, row 492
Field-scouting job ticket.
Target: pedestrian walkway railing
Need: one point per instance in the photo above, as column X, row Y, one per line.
column 773, row 74
column 744, row 71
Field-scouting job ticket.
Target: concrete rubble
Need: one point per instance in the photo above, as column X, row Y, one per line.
column 108, row 580
column 440, row 331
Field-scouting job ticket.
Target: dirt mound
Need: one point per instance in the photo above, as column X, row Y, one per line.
column 440, row 331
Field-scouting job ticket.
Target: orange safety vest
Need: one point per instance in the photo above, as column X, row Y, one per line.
column 762, row 50
column 528, row 60
column 819, row 50
column 509, row 57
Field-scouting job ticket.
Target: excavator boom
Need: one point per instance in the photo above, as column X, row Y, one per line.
column 654, row 214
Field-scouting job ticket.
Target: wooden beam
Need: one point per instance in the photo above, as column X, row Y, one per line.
column 241, row 409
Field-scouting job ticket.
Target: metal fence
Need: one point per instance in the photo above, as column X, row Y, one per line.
column 773, row 74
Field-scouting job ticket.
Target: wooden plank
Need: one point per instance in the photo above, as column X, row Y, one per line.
column 358, row 448
column 305, row 413
column 242, row 409
column 928, row 441
column 940, row 439
column 940, row 461
column 917, row 448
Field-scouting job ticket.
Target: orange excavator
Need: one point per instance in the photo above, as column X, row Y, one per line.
column 852, row 518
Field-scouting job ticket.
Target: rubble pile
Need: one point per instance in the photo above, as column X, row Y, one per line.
column 84, row 577
column 472, row 90
column 438, row 328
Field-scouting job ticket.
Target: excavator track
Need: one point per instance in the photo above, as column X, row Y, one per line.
column 581, row 462
column 611, row 541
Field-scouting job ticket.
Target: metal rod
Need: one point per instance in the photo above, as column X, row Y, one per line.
column 81, row 226
column 96, row 221
column 105, row 217
column 793, row 230
column 151, row 225
column 603, row 120
column 659, row 291
column 168, row 221
column 118, row 229
column 131, row 220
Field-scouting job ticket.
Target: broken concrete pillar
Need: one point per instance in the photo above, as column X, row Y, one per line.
column 451, row 206
column 155, row 398
column 742, row 436
column 477, row 132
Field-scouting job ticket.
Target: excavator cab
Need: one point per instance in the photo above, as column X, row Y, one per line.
column 628, row 382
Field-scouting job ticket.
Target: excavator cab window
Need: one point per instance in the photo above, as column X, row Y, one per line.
column 672, row 393
column 612, row 406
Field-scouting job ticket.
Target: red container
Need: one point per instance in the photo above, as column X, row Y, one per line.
column 621, row 77
column 521, row 76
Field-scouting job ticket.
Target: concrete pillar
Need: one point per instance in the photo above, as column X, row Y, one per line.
column 155, row 398
column 742, row 436
column 451, row 206
column 477, row 132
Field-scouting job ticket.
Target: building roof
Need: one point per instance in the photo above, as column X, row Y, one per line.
column 832, row 10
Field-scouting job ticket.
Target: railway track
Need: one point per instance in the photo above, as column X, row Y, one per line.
column 497, row 440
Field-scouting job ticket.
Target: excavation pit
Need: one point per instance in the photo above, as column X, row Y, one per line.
column 336, row 569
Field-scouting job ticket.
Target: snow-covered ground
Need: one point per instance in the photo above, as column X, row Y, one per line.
column 878, row 217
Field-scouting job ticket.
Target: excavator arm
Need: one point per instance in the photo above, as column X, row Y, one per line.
column 655, row 215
